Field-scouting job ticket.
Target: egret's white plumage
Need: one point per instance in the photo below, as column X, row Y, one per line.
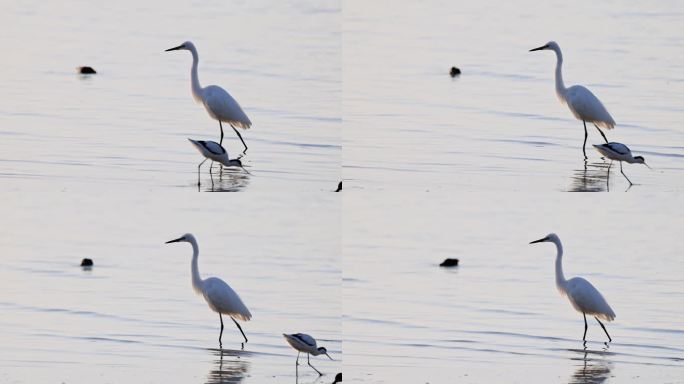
column 307, row 344
column 581, row 294
column 219, row 295
column 620, row 152
column 219, row 104
column 581, row 102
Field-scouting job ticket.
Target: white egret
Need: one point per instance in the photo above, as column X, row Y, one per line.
column 219, row 104
column 307, row 344
column 219, row 295
column 620, row 152
column 582, row 295
column 582, row 103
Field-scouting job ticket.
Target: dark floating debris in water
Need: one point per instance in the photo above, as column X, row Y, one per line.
column 87, row 263
column 86, row 70
column 339, row 187
column 454, row 72
column 449, row 263
column 338, row 378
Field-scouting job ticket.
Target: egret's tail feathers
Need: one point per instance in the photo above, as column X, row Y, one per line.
column 608, row 316
column 610, row 124
column 241, row 124
column 242, row 316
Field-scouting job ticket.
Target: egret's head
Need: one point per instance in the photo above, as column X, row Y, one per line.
column 552, row 237
column 552, row 45
column 188, row 46
column 323, row 351
column 186, row 238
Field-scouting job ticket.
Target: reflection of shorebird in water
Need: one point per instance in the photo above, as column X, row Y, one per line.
column 230, row 181
column 593, row 177
column 229, row 372
column 592, row 371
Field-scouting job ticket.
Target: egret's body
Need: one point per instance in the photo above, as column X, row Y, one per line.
column 582, row 103
column 219, row 104
column 620, row 152
column 582, row 295
column 217, row 293
column 307, row 344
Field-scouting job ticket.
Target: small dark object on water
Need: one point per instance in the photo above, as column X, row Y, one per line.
column 86, row 70
column 449, row 263
column 339, row 187
column 87, row 263
column 338, row 378
column 454, row 72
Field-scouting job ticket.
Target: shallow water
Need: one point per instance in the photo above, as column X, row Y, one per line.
column 408, row 125
column 134, row 316
column 129, row 124
column 497, row 317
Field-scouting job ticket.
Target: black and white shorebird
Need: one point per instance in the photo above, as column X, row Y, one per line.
column 214, row 151
column 619, row 152
column 307, row 344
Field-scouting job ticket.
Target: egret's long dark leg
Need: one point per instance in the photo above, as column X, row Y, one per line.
column 601, row 132
column 198, row 171
column 308, row 361
column 604, row 328
column 623, row 174
column 240, row 136
column 585, row 327
column 240, row 328
column 221, row 334
column 221, row 125
column 586, row 134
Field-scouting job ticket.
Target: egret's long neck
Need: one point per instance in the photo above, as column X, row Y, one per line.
column 560, row 278
column 560, row 86
column 196, row 88
column 196, row 280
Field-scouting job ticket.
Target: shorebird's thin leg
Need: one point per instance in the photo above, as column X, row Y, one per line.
column 308, row 360
column 601, row 132
column 585, row 327
column 240, row 136
column 198, row 171
column 240, row 328
column 298, row 352
column 623, row 174
column 586, row 134
column 604, row 328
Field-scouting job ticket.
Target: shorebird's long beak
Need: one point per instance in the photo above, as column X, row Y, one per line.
column 329, row 356
column 539, row 241
column 175, row 48
column 176, row 240
column 540, row 48
column 649, row 167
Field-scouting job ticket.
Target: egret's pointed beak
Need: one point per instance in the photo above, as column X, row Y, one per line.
column 539, row 241
column 176, row 240
column 175, row 48
column 540, row 48
column 329, row 356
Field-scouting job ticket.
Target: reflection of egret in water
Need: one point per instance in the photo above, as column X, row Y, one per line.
column 591, row 371
column 229, row 371
column 227, row 180
column 593, row 177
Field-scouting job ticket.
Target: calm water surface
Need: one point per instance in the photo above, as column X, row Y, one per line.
column 498, row 317
column 499, row 125
column 129, row 124
column 134, row 317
